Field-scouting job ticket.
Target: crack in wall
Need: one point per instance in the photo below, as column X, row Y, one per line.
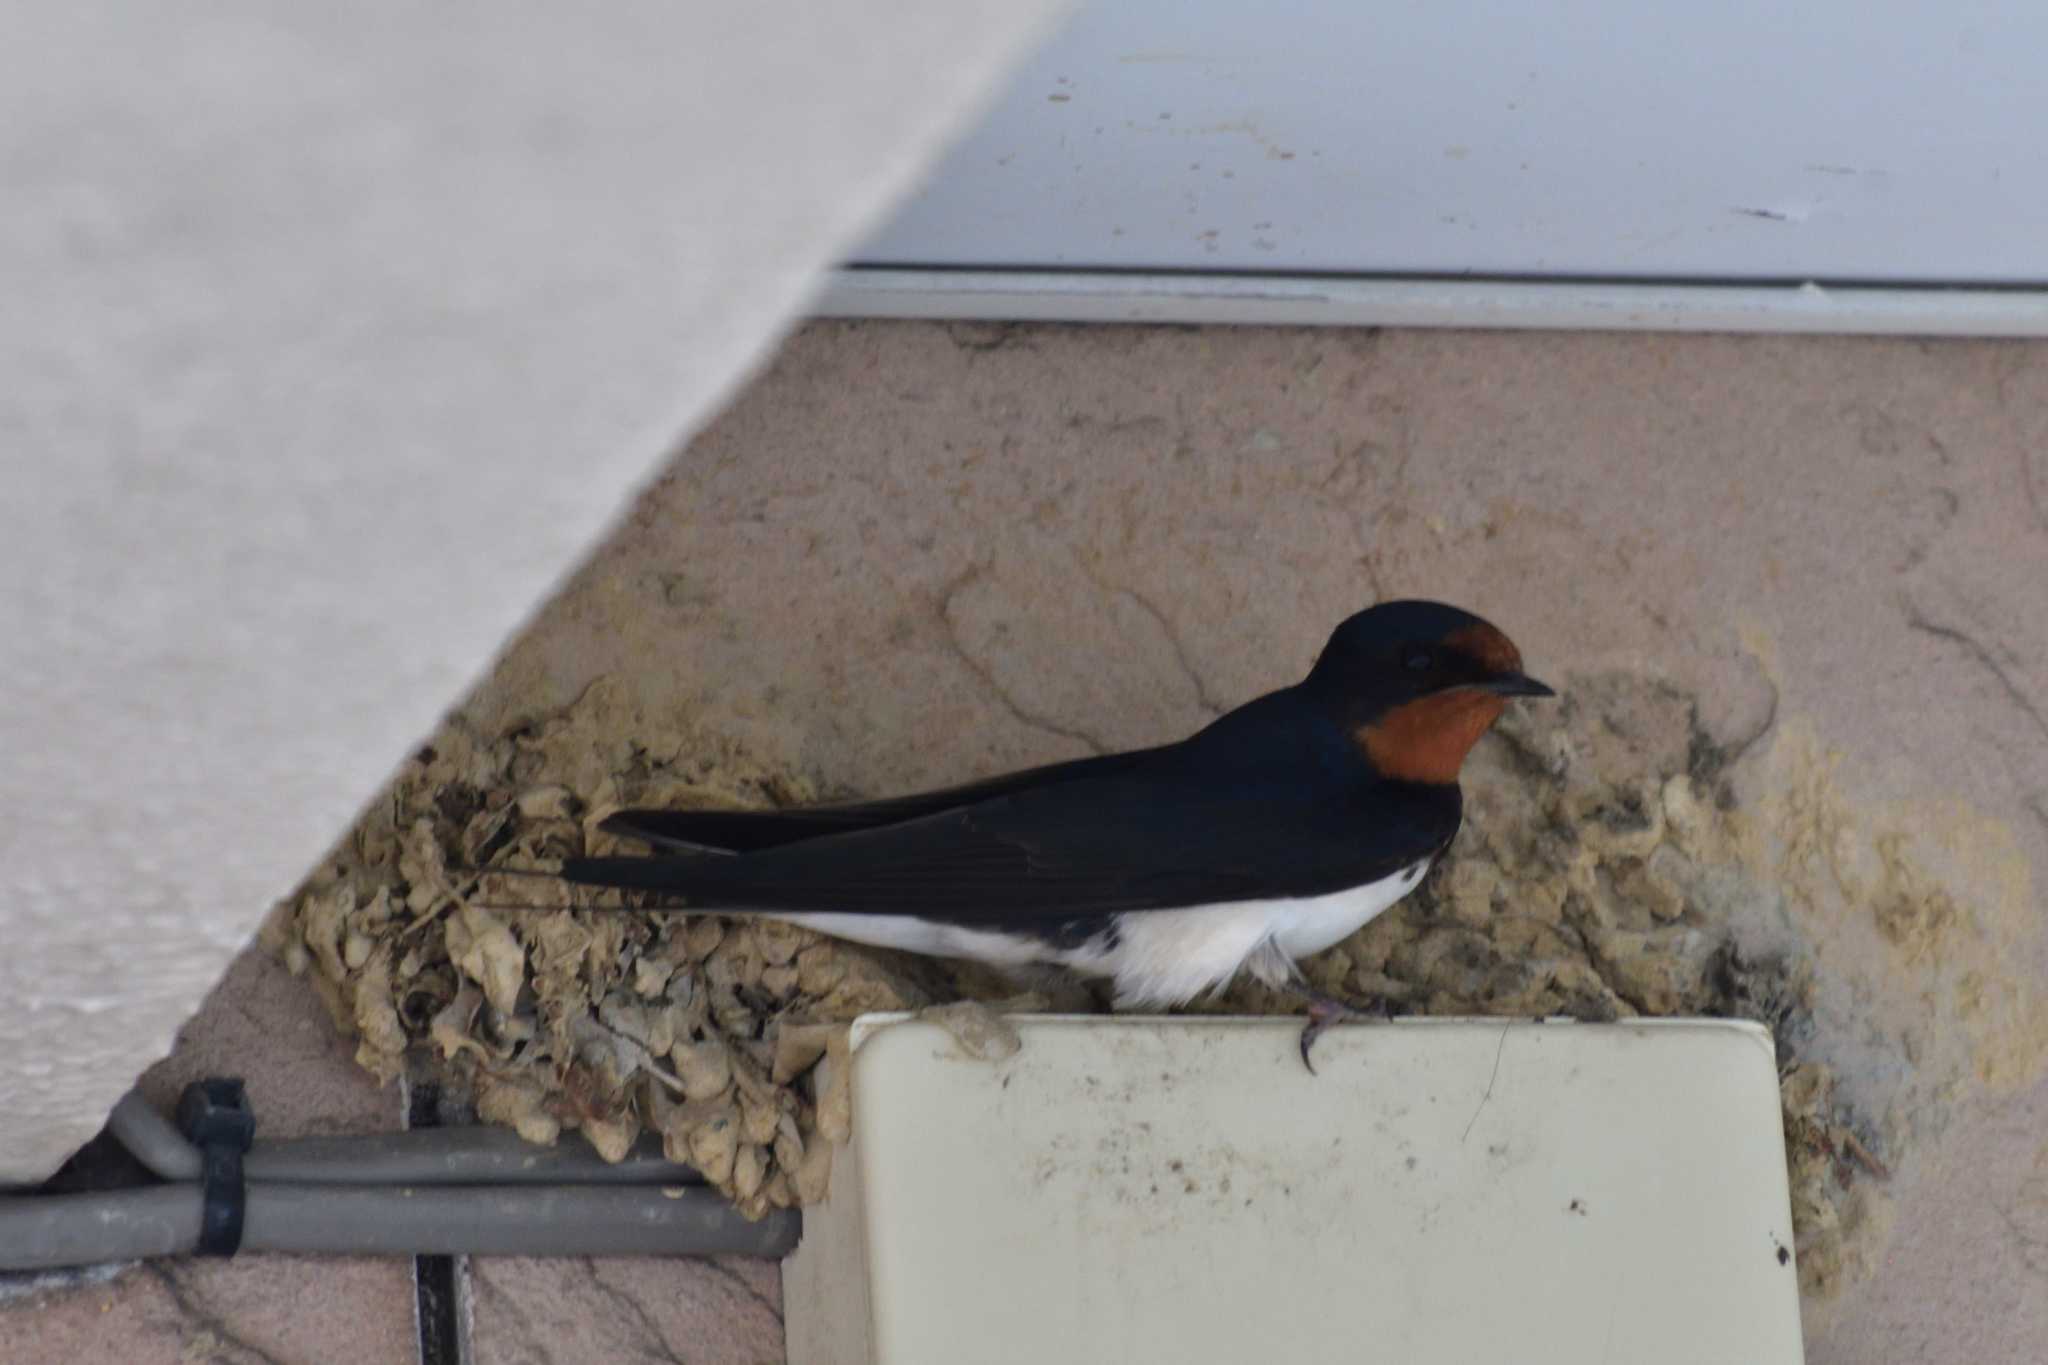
column 1915, row 620
column 986, row 676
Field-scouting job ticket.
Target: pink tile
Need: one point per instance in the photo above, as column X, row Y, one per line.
column 722, row 1311
column 258, row 1310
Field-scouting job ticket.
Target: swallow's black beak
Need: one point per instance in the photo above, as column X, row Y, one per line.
column 1516, row 685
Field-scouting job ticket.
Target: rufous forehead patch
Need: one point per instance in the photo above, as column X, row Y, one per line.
column 1495, row 651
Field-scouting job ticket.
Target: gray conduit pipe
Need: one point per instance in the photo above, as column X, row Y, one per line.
column 44, row 1232
column 442, row 1191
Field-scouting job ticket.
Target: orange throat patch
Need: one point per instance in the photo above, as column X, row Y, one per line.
column 1426, row 740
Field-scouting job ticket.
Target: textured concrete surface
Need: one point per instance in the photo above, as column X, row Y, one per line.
column 911, row 551
column 309, row 308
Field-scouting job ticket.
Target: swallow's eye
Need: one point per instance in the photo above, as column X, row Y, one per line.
column 1419, row 662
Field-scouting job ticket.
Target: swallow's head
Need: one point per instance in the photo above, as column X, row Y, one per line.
column 1415, row 684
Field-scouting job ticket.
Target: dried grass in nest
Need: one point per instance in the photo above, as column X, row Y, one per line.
column 724, row 1036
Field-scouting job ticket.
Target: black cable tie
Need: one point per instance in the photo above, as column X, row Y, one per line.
column 214, row 1113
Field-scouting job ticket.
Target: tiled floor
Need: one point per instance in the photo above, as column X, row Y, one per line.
column 913, row 553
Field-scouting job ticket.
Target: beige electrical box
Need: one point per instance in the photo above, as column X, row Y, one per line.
column 1445, row 1192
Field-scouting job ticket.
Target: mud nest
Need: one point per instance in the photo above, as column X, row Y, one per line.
column 1601, row 874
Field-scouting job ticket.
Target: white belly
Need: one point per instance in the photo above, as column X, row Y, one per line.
column 1303, row 928
column 1156, row 957
column 1168, row 957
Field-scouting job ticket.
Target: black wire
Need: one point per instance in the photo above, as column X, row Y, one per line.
column 433, row 1277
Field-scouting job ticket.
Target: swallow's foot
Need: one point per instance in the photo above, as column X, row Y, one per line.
column 1325, row 1010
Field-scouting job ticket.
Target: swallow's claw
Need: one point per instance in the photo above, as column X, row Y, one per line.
column 1325, row 1010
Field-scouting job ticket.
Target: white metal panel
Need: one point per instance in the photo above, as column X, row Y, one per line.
column 1890, row 140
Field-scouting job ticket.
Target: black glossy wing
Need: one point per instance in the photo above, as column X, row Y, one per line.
column 1088, row 846
column 743, row 831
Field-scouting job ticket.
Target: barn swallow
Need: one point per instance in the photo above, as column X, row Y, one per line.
column 1275, row 831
